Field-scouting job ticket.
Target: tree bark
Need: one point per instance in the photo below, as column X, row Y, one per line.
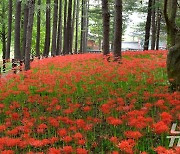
column 29, row 34
column 65, row 29
column 118, row 30
column 83, row 44
column 77, row 23
column 69, row 28
column 17, row 52
column 148, row 26
column 170, row 12
column 59, row 37
column 153, row 37
column 48, row 28
column 158, row 29
column 173, row 38
column 54, row 35
column 106, row 26
column 73, row 23
column 3, row 31
column 25, row 23
column 38, row 29
column 9, row 30
column 87, row 25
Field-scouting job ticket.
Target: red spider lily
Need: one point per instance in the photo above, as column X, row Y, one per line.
column 54, row 151
column 114, row 121
column 67, row 149
column 81, row 151
column 67, row 139
column 127, row 146
column 80, row 123
column 166, row 118
column 78, row 136
column 114, row 139
column 7, row 152
column 160, row 127
column 62, row 132
column 115, row 152
column 86, row 108
column 133, row 134
column 2, row 128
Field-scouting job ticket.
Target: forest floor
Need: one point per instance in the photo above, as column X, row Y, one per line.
column 85, row 105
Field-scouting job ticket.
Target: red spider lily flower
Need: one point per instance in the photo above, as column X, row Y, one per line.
column 160, row 150
column 2, row 128
column 78, row 136
column 115, row 152
column 7, row 152
column 166, row 117
column 127, row 146
column 42, row 126
column 1, row 106
column 160, row 103
column 12, row 142
column 160, row 127
column 67, row 139
column 114, row 139
column 62, row 132
column 54, row 151
column 80, row 123
column 133, row 134
column 53, row 140
column 105, row 108
column 140, row 122
column 67, row 149
column 53, row 122
column 86, row 108
column 81, row 151
column 81, row 142
column 88, row 127
column 68, row 111
column 35, row 143
column 73, row 128
column 177, row 149
column 15, row 116
column 97, row 120
column 14, row 131
column 114, row 121
column 58, row 107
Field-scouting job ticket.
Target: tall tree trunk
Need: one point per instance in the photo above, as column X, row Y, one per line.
column 118, row 29
column 87, row 25
column 65, row 29
column 173, row 38
column 54, row 35
column 170, row 22
column 158, row 29
column 59, row 37
column 17, row 52
column 3, row 31
column 106, row 26
column 73, row 22
column 153, row 37
column 83, row 27
column 38, row 30
column 48, row 28
column 25, row 23
column 77, row 23
column 29, row 34
column 69, row 28
column 9, row 30
column 148, row 26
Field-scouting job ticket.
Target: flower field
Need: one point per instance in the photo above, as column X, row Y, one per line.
column 83, row 104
